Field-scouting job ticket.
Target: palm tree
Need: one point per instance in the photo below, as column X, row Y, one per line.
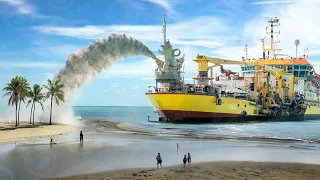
column 35, row 96
column 23, row 92
column 54, row 91
column 12, row 89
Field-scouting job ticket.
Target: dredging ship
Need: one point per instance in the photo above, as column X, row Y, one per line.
column 273, row 87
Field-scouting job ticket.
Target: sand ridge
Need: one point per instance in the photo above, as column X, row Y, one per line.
column 9, row 133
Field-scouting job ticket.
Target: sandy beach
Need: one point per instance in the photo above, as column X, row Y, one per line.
column 9, row 133
column 116, row 150
column 214, row 170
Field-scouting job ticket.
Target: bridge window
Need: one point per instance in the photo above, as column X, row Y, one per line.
column 302, row 73
column 296, row 67
column 289, row 68
column 296, row 73
column 303, row 66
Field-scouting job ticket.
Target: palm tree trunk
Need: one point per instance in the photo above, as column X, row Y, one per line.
column 19, row 112
column 51, row 109
column 31, row 112
column 34, row 110
column 16, row 113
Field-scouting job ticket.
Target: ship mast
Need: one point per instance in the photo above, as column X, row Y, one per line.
column 274, row 22
column 164, row 29
column 246, row 49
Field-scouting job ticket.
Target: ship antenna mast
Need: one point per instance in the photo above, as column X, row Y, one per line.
column 246, row 49
column 164, row 29
column 274, row 23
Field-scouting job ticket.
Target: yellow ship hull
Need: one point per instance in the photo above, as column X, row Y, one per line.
column 197, row 106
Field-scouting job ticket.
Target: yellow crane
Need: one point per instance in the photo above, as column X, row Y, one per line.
column 203, row 66
column 203, row 62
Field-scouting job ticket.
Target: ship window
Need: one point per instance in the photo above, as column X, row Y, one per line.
column 289, row 69
column 303, row 67
column 302, row 74
column 238, row 105
column 296, row 73
column 245, row 105
column 277, row 66
column 242, row 68
column 296, row 67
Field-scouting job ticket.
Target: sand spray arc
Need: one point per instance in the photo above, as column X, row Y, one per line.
column 86, row 64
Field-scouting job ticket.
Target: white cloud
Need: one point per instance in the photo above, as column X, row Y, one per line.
column 105, row 90
column 168, row 5
column 22, row 6
column 28, row 64
column 163, row 3
column 207, row 35
column 273, row 2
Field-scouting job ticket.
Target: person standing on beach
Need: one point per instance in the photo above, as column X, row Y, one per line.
column 177, row 148
column 81, row 137
column 189, row 159
column 159, row 160
column 184, row 160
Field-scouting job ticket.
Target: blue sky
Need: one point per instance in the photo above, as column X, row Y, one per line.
column 37, row 36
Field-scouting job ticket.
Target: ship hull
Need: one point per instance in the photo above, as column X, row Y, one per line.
column 200, row 108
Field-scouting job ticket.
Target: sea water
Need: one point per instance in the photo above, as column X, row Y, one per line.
column 138, row 116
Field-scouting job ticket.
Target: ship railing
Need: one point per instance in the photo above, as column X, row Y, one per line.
column 197, row 75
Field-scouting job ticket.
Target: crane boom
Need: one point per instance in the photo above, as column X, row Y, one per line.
column 203, row 62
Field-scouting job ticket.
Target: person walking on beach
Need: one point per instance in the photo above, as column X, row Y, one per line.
column 189, row 159
column 81, row 137
column 184, row 160
column 177, row 148
column 159, row 160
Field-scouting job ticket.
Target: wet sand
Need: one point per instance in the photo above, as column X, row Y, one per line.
column 110, row 146
column 214, row 170
column 10, row 133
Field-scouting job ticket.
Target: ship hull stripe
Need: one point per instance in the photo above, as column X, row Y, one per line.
column 195, row 114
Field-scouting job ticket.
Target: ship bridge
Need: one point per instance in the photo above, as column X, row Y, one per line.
column 300, row 67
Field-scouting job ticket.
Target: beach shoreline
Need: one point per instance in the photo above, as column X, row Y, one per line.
column 118, row 150
column 212, row 170
column 10, row 133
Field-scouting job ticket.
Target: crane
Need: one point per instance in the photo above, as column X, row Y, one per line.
column 203, row 62
column 203, row 67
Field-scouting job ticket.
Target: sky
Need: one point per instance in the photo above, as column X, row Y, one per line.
column 37, row 36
